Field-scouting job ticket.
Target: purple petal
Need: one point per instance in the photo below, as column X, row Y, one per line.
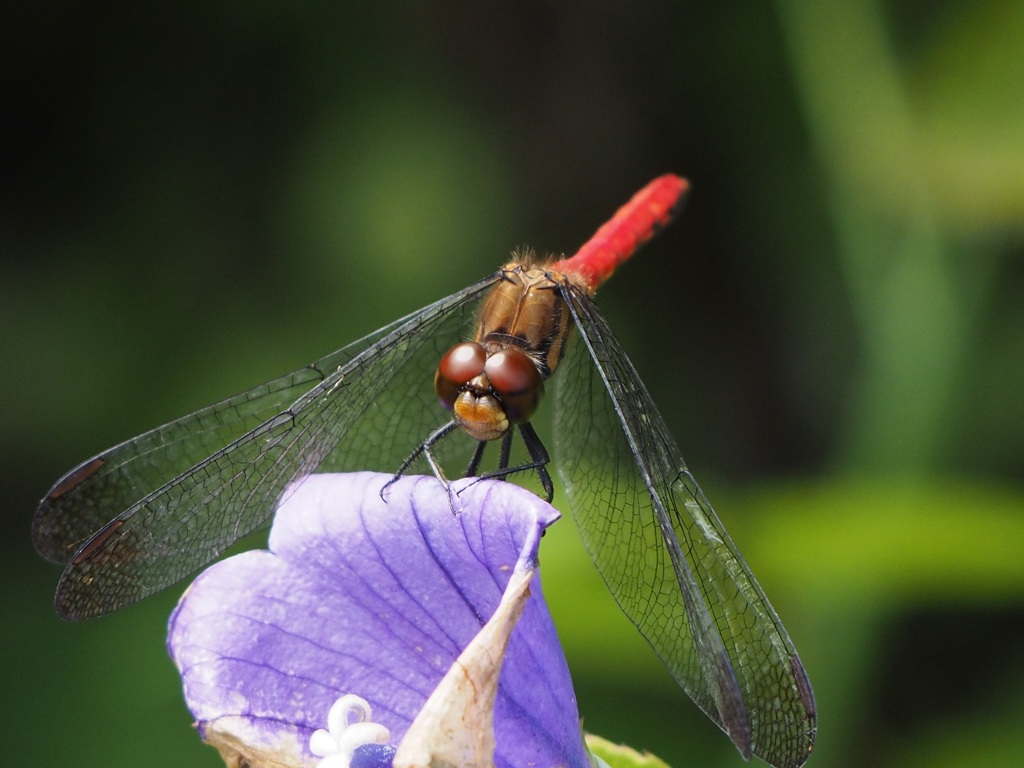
column 373, row 756
column 377, row 599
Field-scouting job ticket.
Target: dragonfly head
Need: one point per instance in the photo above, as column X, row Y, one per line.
column 488, row 392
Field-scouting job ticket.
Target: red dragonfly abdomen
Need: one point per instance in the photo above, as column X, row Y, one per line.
column 632, row 225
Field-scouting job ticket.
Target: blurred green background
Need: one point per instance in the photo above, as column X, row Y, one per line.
column 196, row 197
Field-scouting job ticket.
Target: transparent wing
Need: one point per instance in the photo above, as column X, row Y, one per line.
column 148, row 512
column 665, row 556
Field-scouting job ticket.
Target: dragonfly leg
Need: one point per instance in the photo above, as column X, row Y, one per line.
column 424, row 448
column 506, row 450
column 474, row 463
column 538, row 455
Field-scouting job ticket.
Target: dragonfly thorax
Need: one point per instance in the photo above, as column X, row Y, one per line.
column 526, row 309
column 496, row 381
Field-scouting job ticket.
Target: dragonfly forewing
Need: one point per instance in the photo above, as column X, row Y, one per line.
column 88, row 496
column 163, row 505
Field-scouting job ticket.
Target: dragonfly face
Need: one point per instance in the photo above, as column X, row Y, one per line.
column 488, row 393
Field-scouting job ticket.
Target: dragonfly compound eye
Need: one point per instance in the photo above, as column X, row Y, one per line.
column 460, row 364
column 516, row 381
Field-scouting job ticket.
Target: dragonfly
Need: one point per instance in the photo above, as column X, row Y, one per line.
column 145, row 514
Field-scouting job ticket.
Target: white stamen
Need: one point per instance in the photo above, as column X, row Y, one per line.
column 348, row 728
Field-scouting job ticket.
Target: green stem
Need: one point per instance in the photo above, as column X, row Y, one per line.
column 907, row 304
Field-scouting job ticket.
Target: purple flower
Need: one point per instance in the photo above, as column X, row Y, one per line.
column 358, row 596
